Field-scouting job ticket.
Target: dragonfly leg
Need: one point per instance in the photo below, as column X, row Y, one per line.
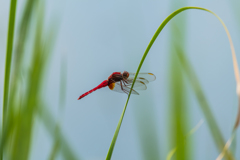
column 125, row 82
column 122, row 87
column 127, row 92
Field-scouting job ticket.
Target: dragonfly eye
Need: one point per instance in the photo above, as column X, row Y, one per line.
column 125, row 74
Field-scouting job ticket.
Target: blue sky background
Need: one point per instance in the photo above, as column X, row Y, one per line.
column 98, row 38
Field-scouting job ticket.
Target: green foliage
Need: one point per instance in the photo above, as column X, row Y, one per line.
column 23, row 102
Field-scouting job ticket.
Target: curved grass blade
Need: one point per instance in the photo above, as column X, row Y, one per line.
column 220, row 144
column 232, row 139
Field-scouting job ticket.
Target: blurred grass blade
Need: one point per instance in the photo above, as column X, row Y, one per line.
column 202, row 100
column 56, row 145
column 10, row 40
column 235, row 5
column 196, row 127
column 172, row 152
column 23, row 34
column 205, row 107
column 232, row 139
column 178, row 108
column 238, row 115
column 22, row 96
column 18, row 57
column 26, row 121
column 226, row 147
column 147, row 129
column 50, row 125
column 178, row 119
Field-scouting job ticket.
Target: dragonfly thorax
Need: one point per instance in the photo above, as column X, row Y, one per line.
column 115, row 77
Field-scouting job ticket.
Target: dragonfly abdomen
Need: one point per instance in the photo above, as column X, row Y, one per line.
column 103, row 84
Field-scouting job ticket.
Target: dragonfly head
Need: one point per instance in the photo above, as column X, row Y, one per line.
column 125, row 75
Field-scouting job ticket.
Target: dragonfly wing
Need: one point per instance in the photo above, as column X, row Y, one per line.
column 139, row 79
column 138, row 85
column 144, row 76
column 122, row 88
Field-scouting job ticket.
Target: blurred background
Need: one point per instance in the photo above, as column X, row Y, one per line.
column 62, row 49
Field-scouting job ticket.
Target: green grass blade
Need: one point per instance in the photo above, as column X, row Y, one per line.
column 26, row 121
column 15, row 87
column 178, row 109
column 22, row 101
column 202, row 100
column 23, row 33
column 35, row 75
column 10, row 40
column 18, row 57
column 56, row 145
column 50, row 124
column 147, row 129
column 8, row 61
column 173, row 151
column 109, row 155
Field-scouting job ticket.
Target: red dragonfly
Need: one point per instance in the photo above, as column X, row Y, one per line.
column 121, row 82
